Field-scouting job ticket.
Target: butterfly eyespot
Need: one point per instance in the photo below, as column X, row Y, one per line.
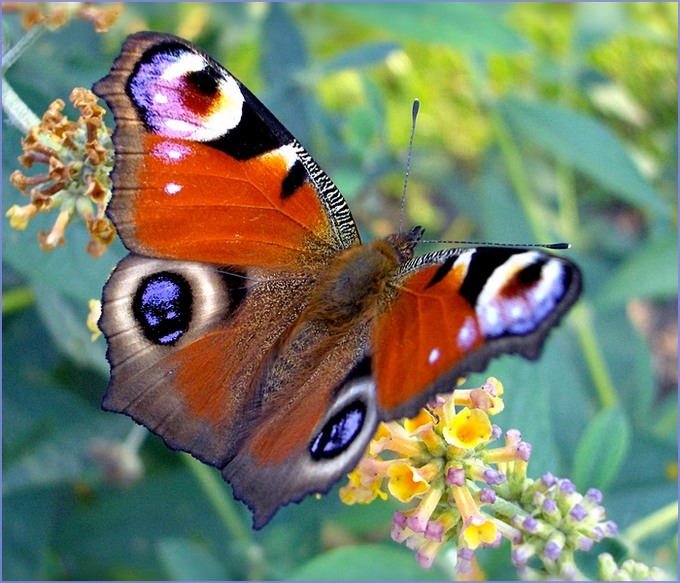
column 203, row 81
column 532, row 273
column 162, row 307
column 339, row 432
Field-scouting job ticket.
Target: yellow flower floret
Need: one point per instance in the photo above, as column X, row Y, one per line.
column 468, row 428
column 405, row 482
column 479, row 531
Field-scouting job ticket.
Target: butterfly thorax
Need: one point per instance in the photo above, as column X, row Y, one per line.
column 352, row 287
column 346, row 296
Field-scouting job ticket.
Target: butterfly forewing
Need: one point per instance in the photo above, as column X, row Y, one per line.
column 204, row 172
column 457, row 309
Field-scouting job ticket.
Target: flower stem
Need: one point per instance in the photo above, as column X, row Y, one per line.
column 517, row 174
column 594, row 357
column 13, row 54
column 19, row 114
column 214, row 490
column 652, row 524
column 15, row 300
column 136, row 438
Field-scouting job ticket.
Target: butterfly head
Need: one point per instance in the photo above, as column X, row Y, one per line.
column 405, row 243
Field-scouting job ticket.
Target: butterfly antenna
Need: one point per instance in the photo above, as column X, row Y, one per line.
column 414, row 115
column 494, row 244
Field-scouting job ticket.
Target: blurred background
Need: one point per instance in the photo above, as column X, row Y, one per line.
column 539, row 122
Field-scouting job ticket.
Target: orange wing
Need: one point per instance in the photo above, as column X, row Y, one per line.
column 457, row 309
column 204, row 172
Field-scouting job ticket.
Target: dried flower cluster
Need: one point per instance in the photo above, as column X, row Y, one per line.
column 78, row 156
column 56, row 14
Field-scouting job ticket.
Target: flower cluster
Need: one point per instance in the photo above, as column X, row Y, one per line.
column 57, row 14
column 463, row 491
column 79, row 157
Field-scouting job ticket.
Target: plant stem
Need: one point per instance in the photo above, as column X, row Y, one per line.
column 135, row 438
column 11, row 56
column 518, row 176
column 15, row 300
column 213, row 488
column 569, row 218
column 593, row 354
column 19, row 114
column 652, row 524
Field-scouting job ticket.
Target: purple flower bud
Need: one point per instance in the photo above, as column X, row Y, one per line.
column 567, row 486
column 466, row 554
column 434, row 531
column 595, row 495
column 597, row 534
column 496, row 432
column 578, row 512
column 530, row 524
column 399, row 519
column 424, row 560
column 398, row 534
column 524, row 451
column 568, row 571
column 552, row 550
column 463, row 566
column 493, row 477
column 416, row 523
column 513, row 435
column 487, row 496
column 455, row 477
column 583, row 543
column 548, row 480
column 521, row 555
column 611, row 529
column 549, row 505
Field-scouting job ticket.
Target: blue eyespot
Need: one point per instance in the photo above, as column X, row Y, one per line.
column 162, row 306
column 339, row 432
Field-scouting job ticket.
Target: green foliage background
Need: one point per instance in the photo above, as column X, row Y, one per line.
column 539, row 122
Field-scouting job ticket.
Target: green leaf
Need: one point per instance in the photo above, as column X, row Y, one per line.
column 364, row 563
column 464, row 25
column 584, row 143
column 361, row 56
column 645, row 482
column 282, row 71
column 125, row 526
column 28, row 521
column 68, row 328
column 650, row 272
column 187, row 560
column 530, row 393
column 602, row 450
column 69, row 270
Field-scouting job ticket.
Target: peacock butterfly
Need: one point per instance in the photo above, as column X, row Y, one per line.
column 249, row 325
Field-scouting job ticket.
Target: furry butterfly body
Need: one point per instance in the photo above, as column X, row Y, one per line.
column 249, row 325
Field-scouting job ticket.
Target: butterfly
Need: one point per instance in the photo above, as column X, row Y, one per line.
column 249, row 325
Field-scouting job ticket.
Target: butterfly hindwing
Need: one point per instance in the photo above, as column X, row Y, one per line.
column 174, row 329
column 306, row 442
